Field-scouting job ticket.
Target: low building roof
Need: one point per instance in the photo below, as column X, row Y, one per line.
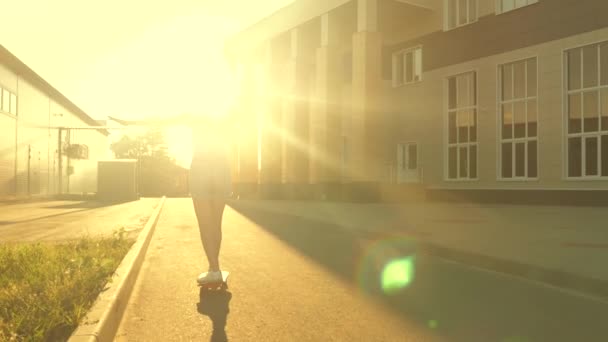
column 18, row 67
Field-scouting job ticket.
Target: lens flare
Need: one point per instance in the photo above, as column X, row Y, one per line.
column 433, row 324
column 387, row 265
column 397, row 275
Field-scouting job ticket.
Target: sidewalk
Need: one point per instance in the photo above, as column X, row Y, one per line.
column 563, row 246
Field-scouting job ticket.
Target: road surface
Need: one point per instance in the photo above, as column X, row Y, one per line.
column 65, row 220
column 294, row 279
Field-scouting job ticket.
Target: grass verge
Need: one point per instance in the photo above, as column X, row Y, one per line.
column 47, row 289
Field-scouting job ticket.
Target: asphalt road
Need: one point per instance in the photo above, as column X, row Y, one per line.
column 64, row 220
column 294, row 279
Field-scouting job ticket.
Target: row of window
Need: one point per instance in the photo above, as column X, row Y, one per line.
column 407, row 64
column 8, row 102
column 463, row 12
column 587, row 106
column 586, row 73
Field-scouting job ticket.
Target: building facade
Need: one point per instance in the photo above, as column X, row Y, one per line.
column 36, row 156
column 389, row 99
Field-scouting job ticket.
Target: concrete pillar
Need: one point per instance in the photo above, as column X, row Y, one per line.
column 368, row 134
column 325, row 121
column 271, row 140
column 296, row 113
column 248, row 131
column 367, row 15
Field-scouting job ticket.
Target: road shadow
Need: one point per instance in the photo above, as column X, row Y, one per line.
column 338, row 248
column 358, row 257
column 457, row 303
column 85, row 205
column 79, row 206
column 6, row 223
column 216, row 306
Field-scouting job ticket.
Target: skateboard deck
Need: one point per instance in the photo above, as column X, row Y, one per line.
column 219, row 285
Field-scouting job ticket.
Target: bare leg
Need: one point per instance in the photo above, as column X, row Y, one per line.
column 209, row 213
column 217, row 210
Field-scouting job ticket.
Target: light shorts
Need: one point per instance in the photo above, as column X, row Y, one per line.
column 210, row 179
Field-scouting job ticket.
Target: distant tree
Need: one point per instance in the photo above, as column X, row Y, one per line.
column 150, row 144
column 158, row 173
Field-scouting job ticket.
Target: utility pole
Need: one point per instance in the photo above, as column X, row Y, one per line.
column 29, row 170
column 60, row 131
column 60, row 161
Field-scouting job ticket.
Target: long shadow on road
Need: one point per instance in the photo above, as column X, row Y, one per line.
column 459, row 303
column 215, row 305
column 80, row 206
column 85, row 205
column 331, row 245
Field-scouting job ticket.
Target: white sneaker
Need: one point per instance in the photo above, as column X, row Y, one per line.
column 210, row 277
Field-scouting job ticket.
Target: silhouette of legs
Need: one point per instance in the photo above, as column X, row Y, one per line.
column 209, row 214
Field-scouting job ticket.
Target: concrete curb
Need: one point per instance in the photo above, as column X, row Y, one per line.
column 103, row 319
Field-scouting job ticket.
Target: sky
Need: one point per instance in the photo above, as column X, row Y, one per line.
column 131, row 58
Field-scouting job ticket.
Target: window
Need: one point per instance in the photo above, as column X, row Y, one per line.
column 412, row 157
column 408, row 156
column 587, row 111
column 518, row 117
column 462, row 127
column 407, row 66
column 8, row 102
column 509, row 5
column 407, row 163
column 459, row 13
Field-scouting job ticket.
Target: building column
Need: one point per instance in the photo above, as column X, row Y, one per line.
column 247, row 139
column 296, row 116
column 368, row 126
column 270, row 121
column 325, row 121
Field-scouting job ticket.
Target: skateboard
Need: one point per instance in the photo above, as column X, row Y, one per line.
column 216, row 286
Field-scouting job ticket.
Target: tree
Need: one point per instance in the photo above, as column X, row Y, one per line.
column 150, row 144
column 158, row 173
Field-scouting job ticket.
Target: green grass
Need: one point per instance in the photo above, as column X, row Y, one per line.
column 47, row 289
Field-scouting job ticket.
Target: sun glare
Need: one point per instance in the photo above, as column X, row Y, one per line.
column 179, row 144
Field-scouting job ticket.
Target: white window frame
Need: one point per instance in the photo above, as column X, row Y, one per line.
column 401, row 57
column 566, row 116
column 457, row 144
column 11, row 96
column 405, row 165
column 446, row 14
column 513, row 140
column 499, row 5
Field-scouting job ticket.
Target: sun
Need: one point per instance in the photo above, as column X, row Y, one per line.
column 179, row 144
